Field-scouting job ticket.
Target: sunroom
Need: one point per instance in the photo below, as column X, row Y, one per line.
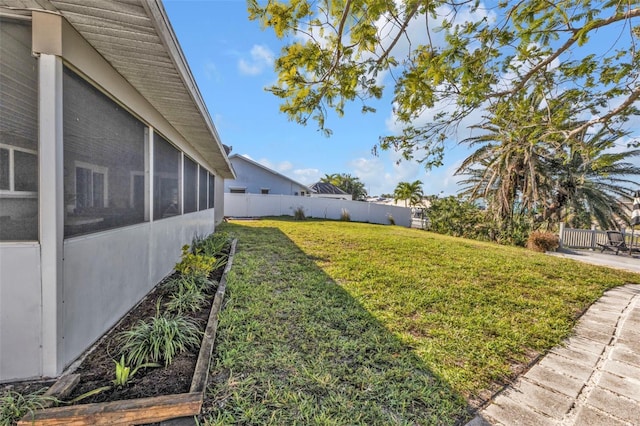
column 109, row 163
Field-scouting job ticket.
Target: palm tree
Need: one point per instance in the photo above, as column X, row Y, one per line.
column 411, row 192
column 349, row 184
column 591, row 183
column 523, row 166
column 507, row 168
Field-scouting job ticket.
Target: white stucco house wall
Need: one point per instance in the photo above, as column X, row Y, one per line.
column 254, row 178
column 109, row 163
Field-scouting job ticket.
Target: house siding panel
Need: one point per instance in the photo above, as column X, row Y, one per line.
column 20, row 313
column 107, row 273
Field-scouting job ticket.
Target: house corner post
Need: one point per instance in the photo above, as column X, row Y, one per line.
column 51, row 211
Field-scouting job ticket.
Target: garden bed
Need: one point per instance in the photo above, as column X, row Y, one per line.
column 154, row 394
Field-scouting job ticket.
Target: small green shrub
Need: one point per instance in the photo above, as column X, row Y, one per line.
column 188, row 297
column 298, row 214
column 543, row 241
column 181, row 283
column 213, row 245
column 159, row 338
column 345, row 216
column 456, row 217
column 196, row 264
column 14, row 405
column 124, row 374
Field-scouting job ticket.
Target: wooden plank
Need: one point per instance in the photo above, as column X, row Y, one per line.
column 61, row 388
column 129, row 412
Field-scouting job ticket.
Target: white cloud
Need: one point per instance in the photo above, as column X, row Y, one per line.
column 211, row 71
column 282, row 167
column 381, row 174
column 261, row 58
column 307, row 176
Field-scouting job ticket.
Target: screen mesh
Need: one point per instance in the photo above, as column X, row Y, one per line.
column 211, row 190
column 202, row 188
column 190, row 185
column 18, row 133
column 166, row 179
column 103, row 160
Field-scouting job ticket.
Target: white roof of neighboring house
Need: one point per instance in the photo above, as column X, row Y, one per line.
column 265, row 168
column 137, row 39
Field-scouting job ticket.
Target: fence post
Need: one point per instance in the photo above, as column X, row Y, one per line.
column 593, row 237
column 561, row 234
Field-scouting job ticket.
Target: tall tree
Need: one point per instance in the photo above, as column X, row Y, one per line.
column 591, row 183
column 519, row 169
column 448, row 58
column 349, row 184
column 411, row 192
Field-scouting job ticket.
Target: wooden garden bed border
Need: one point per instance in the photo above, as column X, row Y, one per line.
column 140, row 410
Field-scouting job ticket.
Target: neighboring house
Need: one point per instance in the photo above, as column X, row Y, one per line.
column 328, row 190
column 109, row 163
column 254, row 178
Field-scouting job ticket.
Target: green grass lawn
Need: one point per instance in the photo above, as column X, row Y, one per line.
column 349, row 323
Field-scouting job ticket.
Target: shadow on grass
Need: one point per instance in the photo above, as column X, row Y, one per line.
column 295, row 348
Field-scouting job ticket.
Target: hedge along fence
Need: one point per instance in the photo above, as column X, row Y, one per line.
column 260, row 205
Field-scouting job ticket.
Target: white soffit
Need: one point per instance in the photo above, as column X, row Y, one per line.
column 136, row 38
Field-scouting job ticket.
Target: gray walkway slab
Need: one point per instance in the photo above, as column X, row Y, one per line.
column 621, row 261
column 593, row 378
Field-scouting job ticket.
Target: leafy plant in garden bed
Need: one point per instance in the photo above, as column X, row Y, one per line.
column 14, row 405
column 165, row 329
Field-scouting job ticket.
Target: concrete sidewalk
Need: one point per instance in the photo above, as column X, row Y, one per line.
column 591, row 379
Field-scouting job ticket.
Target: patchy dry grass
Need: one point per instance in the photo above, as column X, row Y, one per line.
column 350, row 323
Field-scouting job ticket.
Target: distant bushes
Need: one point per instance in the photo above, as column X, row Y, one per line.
column 460, row 218
column 542, row 241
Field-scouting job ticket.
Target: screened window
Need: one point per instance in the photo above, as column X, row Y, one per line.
column 202, row 188
column 18, row 171
column 90, row 186
column 103, row 160
column 166, row 179
column 237, row 190
column 264, row 191
column 18, row 133
column 5, row 163
column 211, row 190
column 190, row 185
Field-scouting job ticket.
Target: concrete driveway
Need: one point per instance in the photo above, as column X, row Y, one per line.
column 620, row 261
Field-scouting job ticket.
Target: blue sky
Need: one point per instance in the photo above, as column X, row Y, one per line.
column 231, row 59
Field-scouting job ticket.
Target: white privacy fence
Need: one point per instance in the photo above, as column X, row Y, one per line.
column 590, row 238
column 259, row 205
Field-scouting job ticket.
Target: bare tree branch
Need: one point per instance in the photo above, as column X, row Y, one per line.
column 632, row 13
column 634, row 96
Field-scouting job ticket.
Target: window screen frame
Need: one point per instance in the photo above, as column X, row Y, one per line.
column 11, row 191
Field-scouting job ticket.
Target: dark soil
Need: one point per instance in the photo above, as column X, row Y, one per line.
column 97, row 369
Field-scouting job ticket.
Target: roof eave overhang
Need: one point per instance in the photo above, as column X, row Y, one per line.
column 119, row 31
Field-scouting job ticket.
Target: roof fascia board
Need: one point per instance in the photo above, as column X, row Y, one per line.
column 273, row 172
